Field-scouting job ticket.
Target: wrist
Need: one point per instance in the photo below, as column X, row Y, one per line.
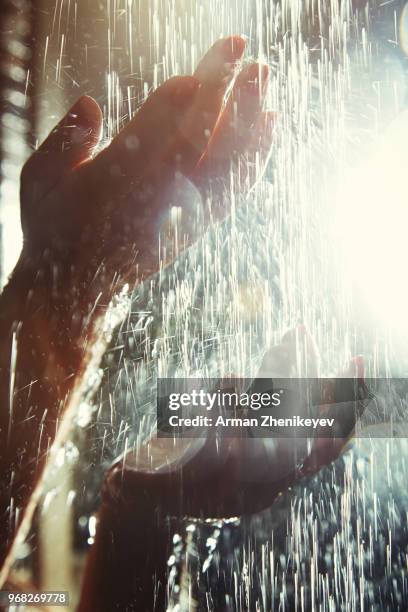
column 119, row 576
column 42, row 318
column 53, row 307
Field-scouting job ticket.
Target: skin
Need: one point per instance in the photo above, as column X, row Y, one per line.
column 194, row 478
column 90, row 224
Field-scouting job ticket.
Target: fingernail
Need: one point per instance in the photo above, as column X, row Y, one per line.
column 82, row 124
column 357, row 364
column 233, row 48
column 354, row 368
column 185, row 91
column 85, row 113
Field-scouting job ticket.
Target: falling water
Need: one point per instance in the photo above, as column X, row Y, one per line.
column 340, row 541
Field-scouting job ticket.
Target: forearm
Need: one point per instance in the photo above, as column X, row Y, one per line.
column 127, row 564
column 44, row 340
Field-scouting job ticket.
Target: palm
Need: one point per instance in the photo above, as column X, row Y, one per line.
column 229, row 476
column 106, row 210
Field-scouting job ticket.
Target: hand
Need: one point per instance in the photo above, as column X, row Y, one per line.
column 90, row 223
column 208, row 478
column 230, row 476
column 88, row 218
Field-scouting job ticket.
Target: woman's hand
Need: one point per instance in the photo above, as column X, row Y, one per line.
column 224, row 476
column 206, row 478
column 99, row 215
column 90, row 223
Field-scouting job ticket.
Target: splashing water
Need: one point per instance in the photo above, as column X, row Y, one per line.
column 337, row 79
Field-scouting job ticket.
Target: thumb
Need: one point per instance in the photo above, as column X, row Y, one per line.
column 69, row 144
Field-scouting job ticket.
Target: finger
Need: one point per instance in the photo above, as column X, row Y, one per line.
column 324, row 452
column 239, row 124
column 145, row 145
column 70, row 143
column 262, row 134
column 327, row 449
column 297, row 355
column 355, row 368
column 215, row 73
column 248, row 158
column 348, row 387
column 159, row 456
